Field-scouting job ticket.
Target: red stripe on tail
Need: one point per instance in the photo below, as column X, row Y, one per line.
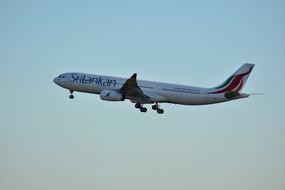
column 235, row 82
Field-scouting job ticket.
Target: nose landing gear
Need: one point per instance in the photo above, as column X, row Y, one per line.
column 71, row 96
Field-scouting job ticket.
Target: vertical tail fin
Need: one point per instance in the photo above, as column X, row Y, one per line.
column 236, row 81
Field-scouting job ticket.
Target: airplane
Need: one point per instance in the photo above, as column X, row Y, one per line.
column 143, row 92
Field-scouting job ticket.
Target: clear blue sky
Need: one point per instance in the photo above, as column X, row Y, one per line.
column 49, row 142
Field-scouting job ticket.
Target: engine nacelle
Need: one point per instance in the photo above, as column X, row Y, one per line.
column 111, row 95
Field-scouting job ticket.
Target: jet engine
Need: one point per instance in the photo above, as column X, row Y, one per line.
column 111, row 95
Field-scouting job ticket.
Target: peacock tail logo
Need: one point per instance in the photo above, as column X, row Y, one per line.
column 234, row 83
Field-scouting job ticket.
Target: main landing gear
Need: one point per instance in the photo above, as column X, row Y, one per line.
column 156, row 107
column 139, row 106
column 71, row 96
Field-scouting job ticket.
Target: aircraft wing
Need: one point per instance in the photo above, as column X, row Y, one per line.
column 131, row 89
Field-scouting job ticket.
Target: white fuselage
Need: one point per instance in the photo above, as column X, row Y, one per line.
column 157, row 91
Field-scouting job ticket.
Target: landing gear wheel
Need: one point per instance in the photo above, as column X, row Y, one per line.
column 138, row 105
column 143, row 109
column 155, row 107
column 71, row 95
column 160, row 111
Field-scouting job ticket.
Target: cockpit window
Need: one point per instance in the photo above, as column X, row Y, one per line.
column 61, row 76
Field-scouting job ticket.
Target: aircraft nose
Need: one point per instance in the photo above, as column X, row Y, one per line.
column 56, row 80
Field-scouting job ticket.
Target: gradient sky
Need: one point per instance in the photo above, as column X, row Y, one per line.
column 50, row 142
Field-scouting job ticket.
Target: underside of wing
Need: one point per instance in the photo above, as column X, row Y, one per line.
column 132, row 90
